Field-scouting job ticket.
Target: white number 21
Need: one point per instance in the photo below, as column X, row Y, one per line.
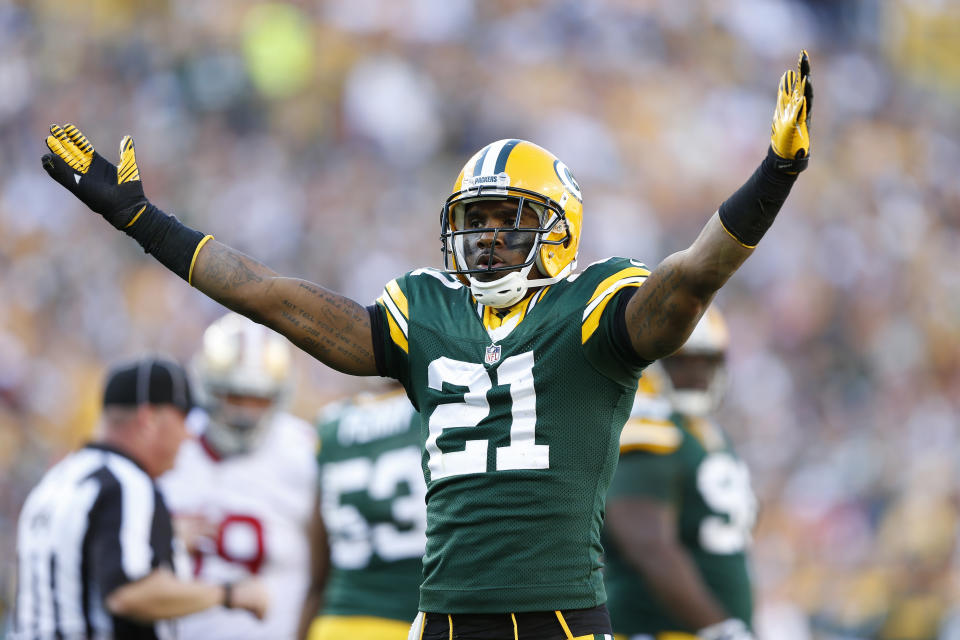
column 522, row 452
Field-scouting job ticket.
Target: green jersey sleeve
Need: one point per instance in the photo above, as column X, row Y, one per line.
column 605, row 342
column 393, row 308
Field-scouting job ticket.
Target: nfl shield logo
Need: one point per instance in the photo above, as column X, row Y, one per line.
column 493, row 354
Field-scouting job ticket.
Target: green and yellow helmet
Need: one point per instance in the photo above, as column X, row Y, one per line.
column 530, row 175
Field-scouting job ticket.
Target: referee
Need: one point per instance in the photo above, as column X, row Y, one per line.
column 95, row 558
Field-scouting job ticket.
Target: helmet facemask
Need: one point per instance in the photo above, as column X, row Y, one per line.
column 245, row 378
column 696, row 382
column 237, row 423
column 462, row 243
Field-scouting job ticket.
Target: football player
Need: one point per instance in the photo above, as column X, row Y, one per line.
column 680, row 509
column 522, row 369
column 369, row 531
column 241, row 492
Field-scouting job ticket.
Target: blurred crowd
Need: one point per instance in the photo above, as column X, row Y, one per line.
column 322, row 137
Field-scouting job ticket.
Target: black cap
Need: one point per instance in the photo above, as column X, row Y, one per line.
column 149, row 380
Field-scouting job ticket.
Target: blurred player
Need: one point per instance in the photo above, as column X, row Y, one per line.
column 368, row 545
column 241, row 492
column 680, row 509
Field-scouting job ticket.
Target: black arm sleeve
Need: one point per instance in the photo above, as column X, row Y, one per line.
column 750, row 211
column 376, row 329
column 166, row 239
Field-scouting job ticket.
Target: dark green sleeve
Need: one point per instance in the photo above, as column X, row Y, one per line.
column 641, row 474
column 390, row 335
column 609, row 349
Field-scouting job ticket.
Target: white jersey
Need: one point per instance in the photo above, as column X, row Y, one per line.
column 261, row 504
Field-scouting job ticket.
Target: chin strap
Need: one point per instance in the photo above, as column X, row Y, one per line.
column 511, row 288
column 502, row 292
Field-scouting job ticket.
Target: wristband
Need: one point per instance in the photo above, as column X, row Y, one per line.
column 227, row 595
column 749, row 212
column 167, row 239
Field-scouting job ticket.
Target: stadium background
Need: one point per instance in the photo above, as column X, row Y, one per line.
column 322, row 137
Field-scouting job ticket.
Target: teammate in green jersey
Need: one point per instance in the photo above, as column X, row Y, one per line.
column 680, row 509
column 523, row 370
column 368, row 543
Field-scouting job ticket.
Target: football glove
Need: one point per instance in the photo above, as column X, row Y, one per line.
column 790, row 138
column 114, row 192
column 730, row 629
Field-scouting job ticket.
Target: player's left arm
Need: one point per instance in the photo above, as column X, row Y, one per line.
column 663, row 312
column 319, row 572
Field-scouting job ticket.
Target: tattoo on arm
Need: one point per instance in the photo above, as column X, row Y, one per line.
column 655, row 316
column 224, row 269
column 661, row 316
column 333, row 329
column 330, row 327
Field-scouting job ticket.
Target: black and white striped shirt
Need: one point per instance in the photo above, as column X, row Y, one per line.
column 95, row 522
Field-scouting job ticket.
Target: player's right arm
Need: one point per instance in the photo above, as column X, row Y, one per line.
column 642, row 518
column 328, row 326
column 644, row 530
column 319, row 572
column 332, row 328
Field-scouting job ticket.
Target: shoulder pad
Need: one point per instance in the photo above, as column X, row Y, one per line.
column 446, row 279
column 615, row 263
column 654, row 436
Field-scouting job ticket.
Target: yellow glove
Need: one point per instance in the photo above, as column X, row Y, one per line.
column 789, row 137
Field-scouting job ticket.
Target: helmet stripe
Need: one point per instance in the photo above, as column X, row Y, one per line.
column 490, row 156
column 504, row 154
column 477, row 167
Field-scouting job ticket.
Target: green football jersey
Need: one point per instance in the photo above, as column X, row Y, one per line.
column 521, row 416
column 373, row 506
column 689, row 464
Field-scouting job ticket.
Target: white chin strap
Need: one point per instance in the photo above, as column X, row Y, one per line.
column 510, row 289
column 502, row 292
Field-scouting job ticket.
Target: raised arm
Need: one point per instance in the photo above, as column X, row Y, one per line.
column 332, row 328
column 328, row 326
column 664, row 311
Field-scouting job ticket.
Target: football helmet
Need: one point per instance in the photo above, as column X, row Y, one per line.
column 245, row 376
column 696, row 374
column 651, row 402
column 521, row 172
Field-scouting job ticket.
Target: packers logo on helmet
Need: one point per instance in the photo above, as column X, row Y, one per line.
column 533, row 177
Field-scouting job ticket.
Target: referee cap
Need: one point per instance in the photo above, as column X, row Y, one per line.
column 149, row 380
